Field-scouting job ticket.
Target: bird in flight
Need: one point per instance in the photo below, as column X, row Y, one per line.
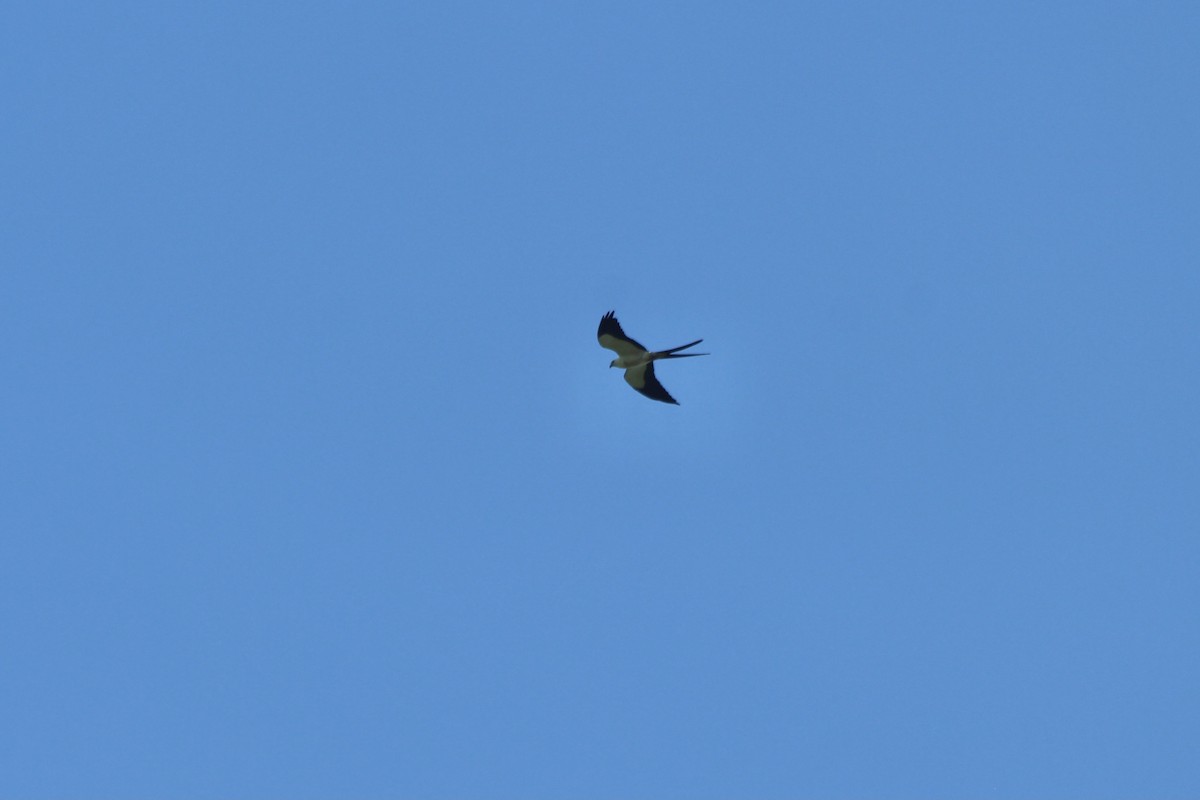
column 637, row 361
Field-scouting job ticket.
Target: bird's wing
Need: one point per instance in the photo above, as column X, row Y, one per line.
column 642, row 378
column 613, row 338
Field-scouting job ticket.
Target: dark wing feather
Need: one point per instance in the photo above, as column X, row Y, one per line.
column 609, row 326
column 650, row 386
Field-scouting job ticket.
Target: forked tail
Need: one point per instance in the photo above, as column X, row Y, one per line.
column 672, row 352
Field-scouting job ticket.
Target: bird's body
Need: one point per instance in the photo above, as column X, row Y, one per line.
column 637, row 361
column 633, row 360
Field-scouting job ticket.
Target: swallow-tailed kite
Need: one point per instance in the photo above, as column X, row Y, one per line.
column 637, row 361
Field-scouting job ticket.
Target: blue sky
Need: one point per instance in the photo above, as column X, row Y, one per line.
column 316, row 482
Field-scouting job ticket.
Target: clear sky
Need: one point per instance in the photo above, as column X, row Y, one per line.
column 316, row 482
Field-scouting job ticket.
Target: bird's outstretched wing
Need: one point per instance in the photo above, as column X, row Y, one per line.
column 613, row 338
column 642, row 378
